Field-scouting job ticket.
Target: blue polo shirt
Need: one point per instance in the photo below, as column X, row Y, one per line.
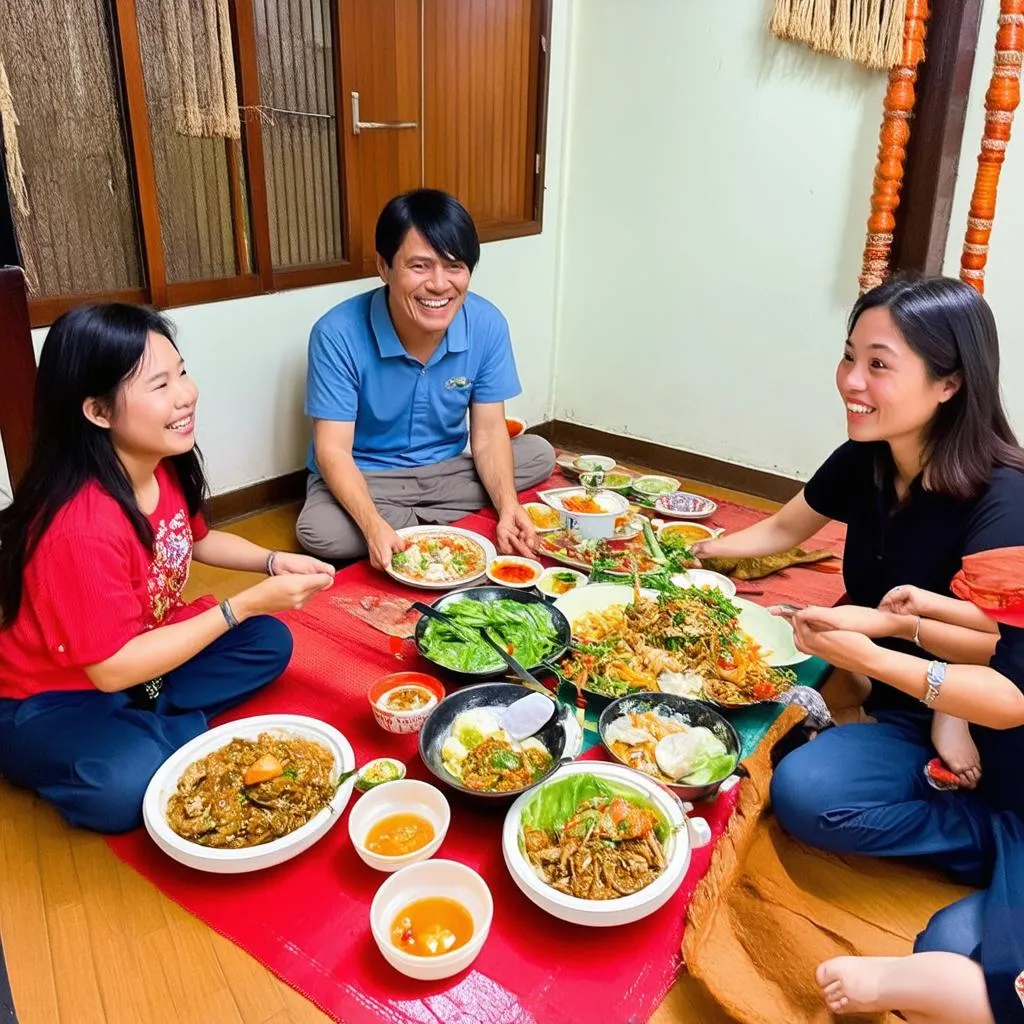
column 405, row 413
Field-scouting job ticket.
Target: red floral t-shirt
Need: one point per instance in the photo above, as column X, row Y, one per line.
column 91, row 586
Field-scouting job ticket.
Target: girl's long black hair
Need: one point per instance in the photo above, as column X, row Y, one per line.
column 89, row 352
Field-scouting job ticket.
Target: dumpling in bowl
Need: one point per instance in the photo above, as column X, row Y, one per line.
column 696, row 756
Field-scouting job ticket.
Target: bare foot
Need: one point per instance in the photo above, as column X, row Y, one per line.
column 845, row 690
column 952, row 740
column 854, row 984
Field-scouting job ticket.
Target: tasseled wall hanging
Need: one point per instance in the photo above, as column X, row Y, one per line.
column 869, row 32
column 1001, row 101
column 892, row 146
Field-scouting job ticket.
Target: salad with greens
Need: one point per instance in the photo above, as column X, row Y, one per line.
column 526, row 631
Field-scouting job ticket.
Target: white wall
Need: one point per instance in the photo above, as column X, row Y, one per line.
column 1006, row 253
column 249, row 355
column 716, row 194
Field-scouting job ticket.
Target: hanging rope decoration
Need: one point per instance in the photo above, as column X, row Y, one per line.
column 1001, row 101
column 892, row 147
column 869, row 32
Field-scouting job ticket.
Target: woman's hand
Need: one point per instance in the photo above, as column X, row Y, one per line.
column 288, row 562
column 279, row 593
column 908, row 600
column 871, row 622
column 839, row 647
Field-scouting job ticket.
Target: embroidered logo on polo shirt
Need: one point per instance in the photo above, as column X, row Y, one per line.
column 458, row 383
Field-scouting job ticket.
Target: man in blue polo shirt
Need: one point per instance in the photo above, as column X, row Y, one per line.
column 392, row 375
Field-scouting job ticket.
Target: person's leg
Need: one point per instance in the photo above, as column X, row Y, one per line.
column 450, row 489
column 926, row 988
column 955, row 929
column 862, row 789
column 1002, row 943
column 89, row 754
column 234, row 666
column 326, row 530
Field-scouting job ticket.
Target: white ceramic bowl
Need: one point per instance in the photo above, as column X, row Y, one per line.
column 593, row 463
column 530, row 563
column 642, row 485
column 686, row 835
column 405, row 796
column 164, row 783
column 695, row 533
column 545, row 581
column 588, row 524
column 705, row 578
column 418, row 881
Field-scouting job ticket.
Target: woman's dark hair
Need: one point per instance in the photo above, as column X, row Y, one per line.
column 88, row 353
column 440, row 218
column 951, row 327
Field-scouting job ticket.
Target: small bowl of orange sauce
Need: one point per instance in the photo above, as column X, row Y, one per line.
column 514, row 571
column 399, row 824
column 430, row 920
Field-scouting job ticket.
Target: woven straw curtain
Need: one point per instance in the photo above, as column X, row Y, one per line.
column 66, row 161
column 869, row 32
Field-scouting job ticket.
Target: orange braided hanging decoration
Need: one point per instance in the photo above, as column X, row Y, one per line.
column 1001, row 101
column 892, row 147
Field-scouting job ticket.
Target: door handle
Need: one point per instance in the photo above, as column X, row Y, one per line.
column 359, row 126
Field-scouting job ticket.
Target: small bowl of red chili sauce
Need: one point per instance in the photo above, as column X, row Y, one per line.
column 514, row 571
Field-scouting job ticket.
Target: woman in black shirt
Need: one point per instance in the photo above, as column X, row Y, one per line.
column 932, row 473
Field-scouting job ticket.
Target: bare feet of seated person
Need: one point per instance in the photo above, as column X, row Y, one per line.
column 856, row 984
column 951, row 738
column 845, row 693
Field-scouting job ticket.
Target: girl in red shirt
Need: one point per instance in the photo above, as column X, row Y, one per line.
column 104, row 669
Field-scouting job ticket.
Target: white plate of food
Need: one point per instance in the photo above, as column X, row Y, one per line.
column 441, row 557
column 543, row 517
column 658, row 833
column 733, row 663
column 200, row 810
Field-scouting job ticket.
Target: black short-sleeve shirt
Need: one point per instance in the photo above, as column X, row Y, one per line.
column 921, row 540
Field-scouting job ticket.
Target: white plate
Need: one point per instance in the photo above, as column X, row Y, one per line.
column 164, row 783
column 772, row 632
column 612, row 503
column 547, row 508
column 685, row 836
column 490, row 553
column 596, row 597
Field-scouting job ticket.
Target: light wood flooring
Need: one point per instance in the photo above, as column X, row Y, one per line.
column 88, row 940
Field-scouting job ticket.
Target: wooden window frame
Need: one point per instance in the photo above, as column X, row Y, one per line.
column 261, row 277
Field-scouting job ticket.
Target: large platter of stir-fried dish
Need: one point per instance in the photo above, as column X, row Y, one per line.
column 685, row 641
column 249, row 794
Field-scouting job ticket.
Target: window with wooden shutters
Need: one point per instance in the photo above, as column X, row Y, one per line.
column 180, row 151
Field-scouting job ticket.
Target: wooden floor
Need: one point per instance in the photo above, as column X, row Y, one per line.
column 88, row 940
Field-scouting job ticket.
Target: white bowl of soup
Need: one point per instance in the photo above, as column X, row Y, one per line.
column 430, row 920
column 399, row 824
column 205, row 806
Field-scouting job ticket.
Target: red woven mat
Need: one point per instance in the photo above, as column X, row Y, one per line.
column 308, row 919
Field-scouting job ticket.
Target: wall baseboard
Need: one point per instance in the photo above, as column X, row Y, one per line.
column 774, row 486
column 279, row 490
column 649, row 454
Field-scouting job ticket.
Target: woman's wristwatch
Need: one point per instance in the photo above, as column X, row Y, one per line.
column 936, row 677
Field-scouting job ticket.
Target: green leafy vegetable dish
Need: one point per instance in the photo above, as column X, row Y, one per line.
column 526, row 631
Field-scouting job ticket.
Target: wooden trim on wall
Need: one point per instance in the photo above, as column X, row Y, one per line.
column 651, row 455
column 17, row 372
column 279, row 490
column 936, row 137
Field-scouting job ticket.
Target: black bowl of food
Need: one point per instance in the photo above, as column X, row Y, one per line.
column 463, row 744
column 684, row 744
column 529, row 628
